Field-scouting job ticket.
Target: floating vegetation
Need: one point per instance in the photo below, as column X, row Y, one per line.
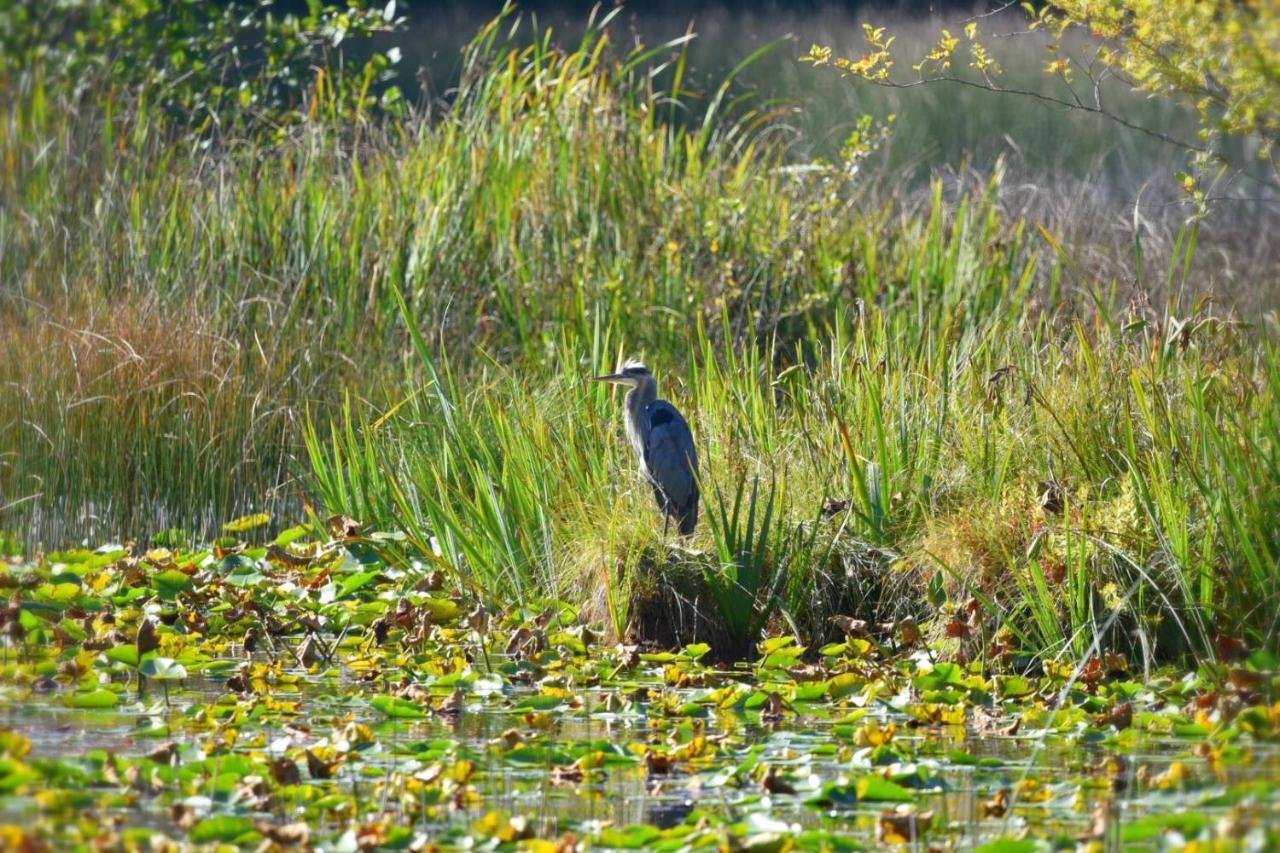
column 316, row 690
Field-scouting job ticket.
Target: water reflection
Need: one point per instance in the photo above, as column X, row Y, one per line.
column 1041, row 778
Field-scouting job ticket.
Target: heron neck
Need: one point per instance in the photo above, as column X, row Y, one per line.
column 642, row 395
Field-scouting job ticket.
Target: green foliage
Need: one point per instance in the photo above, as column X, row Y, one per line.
column 1218, row 59
column 1221, row 57
column 747, row 574
column 906, row 373
column 205, row 66
column 295, row 713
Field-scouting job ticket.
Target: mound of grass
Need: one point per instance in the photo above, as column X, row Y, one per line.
column 913, row 408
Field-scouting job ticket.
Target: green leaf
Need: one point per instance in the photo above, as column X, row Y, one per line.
column 247, row 522
column 1186, row 824
column 174, row 537
column 397, row 708
column 125, row 654
column 239, row 570
column 629, row 837
column 1009, row 845
column 443, row 610
column 942, row 675
column 163, row 669
column 171, row 582
column 776, row 644
column 356, row 581
column 1013, row 686
column 92, row 699
column 880, row 790
column 869, row 788
column 291, row 535
column 695, row 651
column 225, row 828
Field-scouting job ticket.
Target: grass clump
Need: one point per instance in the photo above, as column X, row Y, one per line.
column 925, row 374
column 904, row 404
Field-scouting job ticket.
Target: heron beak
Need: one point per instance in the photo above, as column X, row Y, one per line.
column 612, row 377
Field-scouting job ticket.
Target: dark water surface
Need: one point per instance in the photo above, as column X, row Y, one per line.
column 1055, row 783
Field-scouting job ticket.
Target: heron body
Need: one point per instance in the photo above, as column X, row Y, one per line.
column 663, row 445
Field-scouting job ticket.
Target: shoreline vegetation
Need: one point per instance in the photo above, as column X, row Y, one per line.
column 899, row 397
column 314, row 531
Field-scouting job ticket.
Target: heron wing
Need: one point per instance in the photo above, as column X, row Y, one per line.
column 671, row 460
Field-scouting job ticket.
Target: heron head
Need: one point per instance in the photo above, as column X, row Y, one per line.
column 632, row 373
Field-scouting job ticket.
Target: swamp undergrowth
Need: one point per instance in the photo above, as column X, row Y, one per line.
column 987, row 555
column 938, row 396
column 303, row 690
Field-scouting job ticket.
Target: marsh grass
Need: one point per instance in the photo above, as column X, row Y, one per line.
column 118, row 414
column 910, row 372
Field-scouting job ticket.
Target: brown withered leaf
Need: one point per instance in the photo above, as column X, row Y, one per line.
column 1231, row 649
column 835, row 506
column 430, row 582
column 1092, row 672
column 895, row 827
column 773, row 783
column 1245, row 680
column 183, row 816
column 297, row 834
column 371, row 836
column 146, row 639
column 165, row 754
column 318, row 767
column 571, row 775
column 775, row 708
column 657, row 763
column 277, row 554
column 1120, row 716
column 1115, row 664
column 1053, row 496
column 526, row 642
column 807, row 672
column 852, row 627
column 908, row 631
column 343, row 527
column 996, row 806
column 285, row 771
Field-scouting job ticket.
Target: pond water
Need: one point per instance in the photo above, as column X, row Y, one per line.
column 987, row 779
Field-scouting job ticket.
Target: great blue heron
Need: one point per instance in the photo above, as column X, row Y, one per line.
column 663, row 444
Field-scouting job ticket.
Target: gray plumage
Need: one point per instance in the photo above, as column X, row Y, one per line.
column 663, row 445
